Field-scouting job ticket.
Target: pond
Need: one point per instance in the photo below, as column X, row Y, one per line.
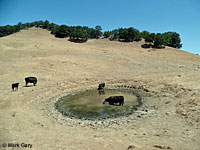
column 89, row 104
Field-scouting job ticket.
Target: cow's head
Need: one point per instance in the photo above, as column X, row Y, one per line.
column 106, row 100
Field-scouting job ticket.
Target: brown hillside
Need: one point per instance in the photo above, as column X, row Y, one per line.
column 171, row 76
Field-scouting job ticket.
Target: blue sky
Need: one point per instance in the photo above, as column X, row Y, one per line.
column 182, row 16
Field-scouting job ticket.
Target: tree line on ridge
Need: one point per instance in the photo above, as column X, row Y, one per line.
column 83, row 33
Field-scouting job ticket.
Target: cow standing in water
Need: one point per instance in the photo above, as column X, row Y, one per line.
column 31, row 80
column 15, row 86
column 101, row 86
column 115, row 99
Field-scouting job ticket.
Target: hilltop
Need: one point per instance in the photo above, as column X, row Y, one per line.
column 81, row 34
column 172, row 77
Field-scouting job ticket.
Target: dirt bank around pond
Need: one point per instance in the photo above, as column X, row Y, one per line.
column 170, row 78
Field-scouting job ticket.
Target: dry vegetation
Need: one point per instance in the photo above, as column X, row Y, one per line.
column 171, row 76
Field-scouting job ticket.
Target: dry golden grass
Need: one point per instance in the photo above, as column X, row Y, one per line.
column 61, row 66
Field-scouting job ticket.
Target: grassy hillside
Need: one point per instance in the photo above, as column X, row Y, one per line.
column 172, row 77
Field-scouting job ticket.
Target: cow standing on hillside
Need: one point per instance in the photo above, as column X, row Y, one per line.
column 15, row 86
column 31, row 80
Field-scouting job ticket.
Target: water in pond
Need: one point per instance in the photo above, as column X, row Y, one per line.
column 89, row 104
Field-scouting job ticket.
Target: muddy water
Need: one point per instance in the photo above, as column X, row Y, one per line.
column 89, row 104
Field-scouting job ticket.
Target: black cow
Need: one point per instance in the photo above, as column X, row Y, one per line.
column 31, row 80
column 115, row 99
column 101, row 86
column 15, row 86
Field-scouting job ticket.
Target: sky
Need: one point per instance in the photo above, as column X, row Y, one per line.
column 157, row 16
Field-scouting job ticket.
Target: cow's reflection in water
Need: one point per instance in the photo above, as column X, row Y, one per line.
column 101, row 92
